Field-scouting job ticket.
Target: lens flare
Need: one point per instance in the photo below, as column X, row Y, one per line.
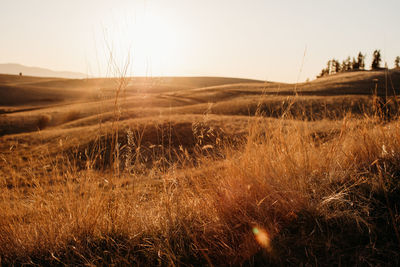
column 262, row 238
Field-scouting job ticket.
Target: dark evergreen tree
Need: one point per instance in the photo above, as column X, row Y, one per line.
column 361, row 61
column 346, row 64
column 397, row 62
column 327, row 70
column 336, row 66
column 323, row 73
column 376, row 60
column 354, row 64
column 343, row 66
column 329, row 66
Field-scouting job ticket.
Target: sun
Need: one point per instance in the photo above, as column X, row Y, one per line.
column 150, row 39
column 154, row 42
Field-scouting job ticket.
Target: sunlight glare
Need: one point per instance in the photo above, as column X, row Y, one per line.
column 262, row 238
column 155, row 43
column 147, row 38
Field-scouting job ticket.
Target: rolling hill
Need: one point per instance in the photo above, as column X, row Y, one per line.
column 15, row 69
column 81, row 102
column 200, row 171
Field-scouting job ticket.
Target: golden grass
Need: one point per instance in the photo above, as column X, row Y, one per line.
column 289, row 195
column 316, row 183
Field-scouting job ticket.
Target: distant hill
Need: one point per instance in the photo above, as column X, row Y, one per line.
column 12, row 68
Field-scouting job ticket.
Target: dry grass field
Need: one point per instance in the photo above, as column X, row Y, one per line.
column 192, row 171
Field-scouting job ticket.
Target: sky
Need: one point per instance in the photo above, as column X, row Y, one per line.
column 286, row 41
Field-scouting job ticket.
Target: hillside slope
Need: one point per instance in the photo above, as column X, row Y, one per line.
column 15, row 69
column 26, row 102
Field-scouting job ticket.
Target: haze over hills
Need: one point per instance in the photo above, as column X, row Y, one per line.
column 13, row 68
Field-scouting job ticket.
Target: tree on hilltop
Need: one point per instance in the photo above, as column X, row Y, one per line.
column 332, row 66
column 323, row 73
column 358, row 64
column 376, row 60
column 346, row 64
column 336, row 66
column 397, row 62
column 361, row 61
column 354, row 64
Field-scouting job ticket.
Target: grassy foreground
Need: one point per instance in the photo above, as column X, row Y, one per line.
column 285, row 194
column 200, row 172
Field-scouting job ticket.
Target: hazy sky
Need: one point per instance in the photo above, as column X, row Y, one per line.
column 261, row 39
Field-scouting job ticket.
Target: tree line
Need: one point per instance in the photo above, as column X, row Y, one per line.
column 356, row 63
